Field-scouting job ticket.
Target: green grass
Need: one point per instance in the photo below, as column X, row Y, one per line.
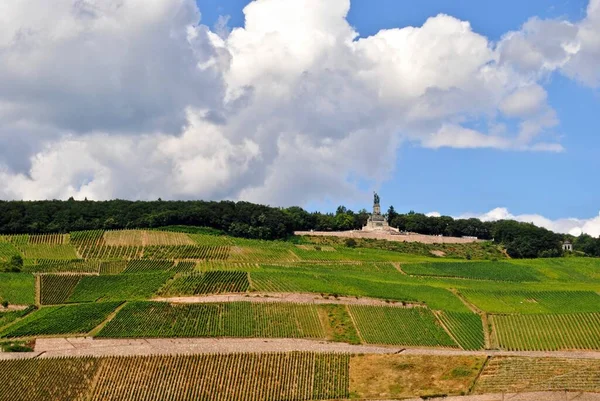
column 212, row 282
column 117, row 287
column 56, row 289
column 533, row 302
column 548, row 332
column 501, row 271
column 237, row 319
column 17, row 288
column 466, row 328
column 340, row 326
column 71, row 319
column 399, row 326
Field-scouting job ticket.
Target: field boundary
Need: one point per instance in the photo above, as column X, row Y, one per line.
column 286, row 297
column 87, row 346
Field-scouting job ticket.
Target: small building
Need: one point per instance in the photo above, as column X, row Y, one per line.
column 567, row 246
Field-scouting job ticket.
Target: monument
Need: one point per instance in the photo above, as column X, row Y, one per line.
column 376, row 221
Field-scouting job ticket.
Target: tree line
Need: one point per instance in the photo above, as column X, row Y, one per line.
column 248, row 220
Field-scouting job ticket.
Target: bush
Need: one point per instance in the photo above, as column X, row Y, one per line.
column 350, row 242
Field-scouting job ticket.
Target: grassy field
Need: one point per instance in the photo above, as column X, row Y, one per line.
column 500, row 271
column 17, row 288
column 238, row 319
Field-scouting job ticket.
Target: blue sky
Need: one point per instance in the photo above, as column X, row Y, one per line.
column 456, row 181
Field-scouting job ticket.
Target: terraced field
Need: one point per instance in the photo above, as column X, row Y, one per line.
column 239, row 319
column 548, row 332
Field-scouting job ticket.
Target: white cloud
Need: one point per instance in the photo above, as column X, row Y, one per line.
column 573, row 226
column 135, row 99
column 543, row 46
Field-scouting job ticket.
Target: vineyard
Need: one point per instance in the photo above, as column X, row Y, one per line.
column 56, row 289
column 268, row 377
column 511, row 375
column 117, row 287
column 47, row 379
column 236, row 319
column 211, row 282
column 500, row 271
column 548, row 332
column 466, row 329
column 399, row 326
column 72, row 319
column 7, row 318
column 534, row 302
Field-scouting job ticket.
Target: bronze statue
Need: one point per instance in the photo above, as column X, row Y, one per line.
column 375, row 198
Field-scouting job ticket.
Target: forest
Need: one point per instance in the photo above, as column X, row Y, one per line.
column 249, row 220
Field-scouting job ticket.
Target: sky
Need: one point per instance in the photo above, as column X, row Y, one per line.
column 463, row 108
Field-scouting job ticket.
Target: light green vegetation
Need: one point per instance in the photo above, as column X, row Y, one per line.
column 354, row 280
column 399, row 326
column 7, row 251
column 529, row 302
column 501, row 271
column 56, row 289
column 17, row 288
column 212, row 282
column 118, row 287
column 71, row 319
column 466, row 329
column 48, row 251
column 548, row 332
column 338, row 324
column 237, row 319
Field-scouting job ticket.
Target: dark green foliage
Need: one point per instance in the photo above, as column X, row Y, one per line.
column 210, row 282
column 56, row 289
column 71, row 319
column 242, row 219
column 501, row 271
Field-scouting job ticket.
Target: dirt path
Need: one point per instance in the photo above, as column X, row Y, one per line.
column 298, row 298
column 536, row 396
column 87, row 346
column 12, row 308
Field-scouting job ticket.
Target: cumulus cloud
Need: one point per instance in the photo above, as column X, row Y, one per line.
column 573, row 226
column 137, row 99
